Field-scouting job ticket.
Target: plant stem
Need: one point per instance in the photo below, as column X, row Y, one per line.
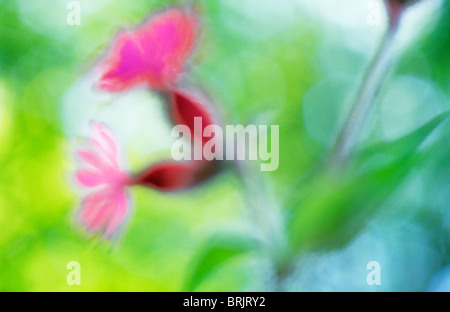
column 267, row 217
column 373, row 79
column 262, row 205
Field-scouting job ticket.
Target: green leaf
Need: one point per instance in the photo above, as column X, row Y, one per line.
column 215, row 253
column 401, row 147
column 336, row 207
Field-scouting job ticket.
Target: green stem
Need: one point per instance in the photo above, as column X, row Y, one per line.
column 267, row 217
column 375, row 76
column 262, row 205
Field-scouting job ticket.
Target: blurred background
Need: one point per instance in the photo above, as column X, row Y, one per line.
column 293, row 63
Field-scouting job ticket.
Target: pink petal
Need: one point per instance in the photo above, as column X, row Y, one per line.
column 120, row 210
column 107, row 139
column 125, row 66
column 91, row 207
column 92, row 159
column 90, row 178
column 104, row 211
column 108, row 159
column 105, row 208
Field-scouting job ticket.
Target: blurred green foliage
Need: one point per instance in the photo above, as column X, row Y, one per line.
column 257, row 72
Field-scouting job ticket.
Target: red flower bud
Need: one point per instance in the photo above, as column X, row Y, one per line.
column 185, row 107
column 170, row 176
column 396, row 7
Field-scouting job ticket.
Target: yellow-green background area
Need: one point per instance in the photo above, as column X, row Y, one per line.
column 270, row 62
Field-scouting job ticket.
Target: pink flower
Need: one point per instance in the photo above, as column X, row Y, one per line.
column 154, row 54
column 105, row 208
